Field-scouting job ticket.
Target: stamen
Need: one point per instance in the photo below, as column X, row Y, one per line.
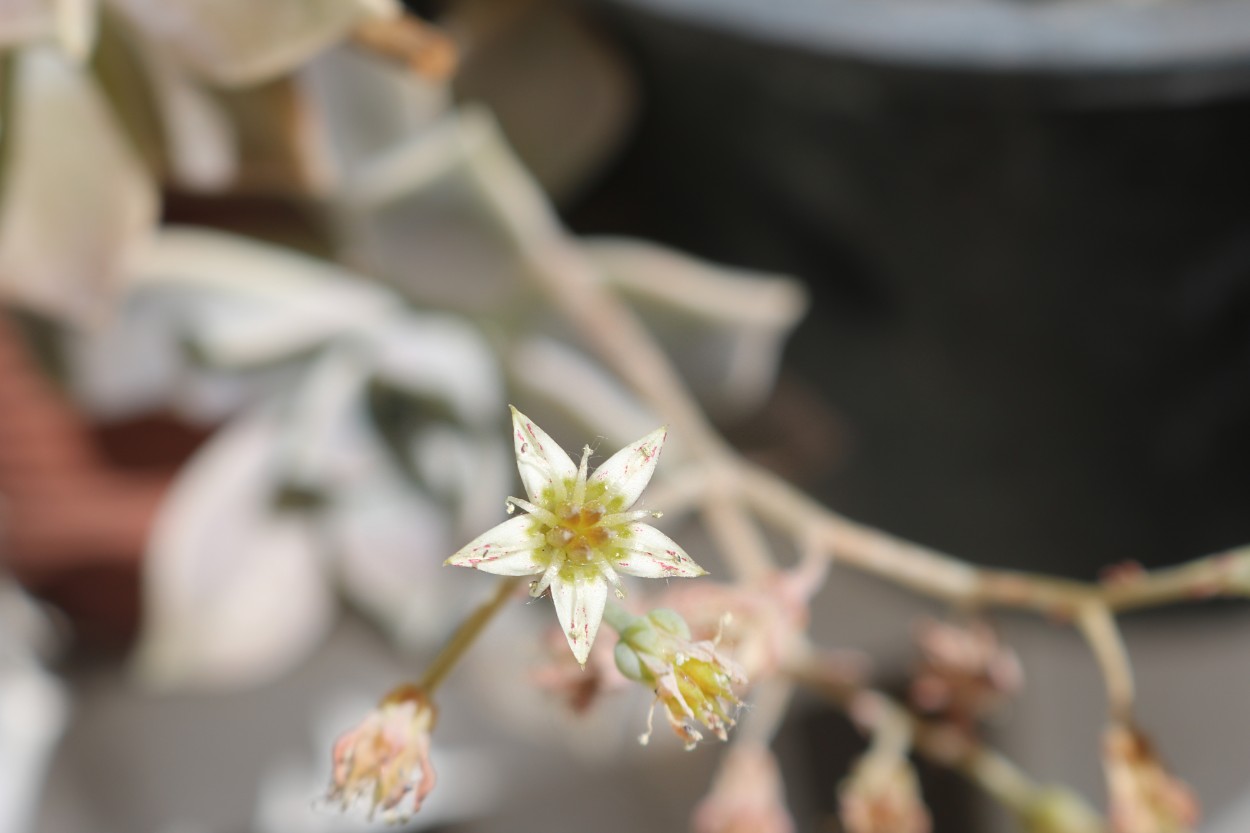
column 612, row 577
column 542, row 514
column 579, row 487
column 549, row 575
column 618, row 518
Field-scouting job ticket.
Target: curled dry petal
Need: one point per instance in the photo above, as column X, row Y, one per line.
column 384, row 762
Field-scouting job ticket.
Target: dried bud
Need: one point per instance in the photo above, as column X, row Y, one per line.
column 1145, row 797
column 385, row 760
column 692, row 680
column 965, row 673
column 747, row 797
column 881, row 795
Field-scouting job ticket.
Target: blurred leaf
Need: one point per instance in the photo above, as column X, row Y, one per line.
column 235, row 592
column 439, row 356
column 126, row 84
column 70, row 219
column 242, row 42
column 271, row 303
column 365, row 107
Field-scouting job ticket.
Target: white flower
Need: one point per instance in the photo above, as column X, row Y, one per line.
column 579, row 532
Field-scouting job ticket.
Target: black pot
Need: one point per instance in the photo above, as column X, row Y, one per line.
column 1026, row 227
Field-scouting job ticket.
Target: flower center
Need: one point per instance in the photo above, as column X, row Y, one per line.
column 579, row 534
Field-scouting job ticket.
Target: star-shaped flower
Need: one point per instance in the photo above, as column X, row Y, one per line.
column 579, row 532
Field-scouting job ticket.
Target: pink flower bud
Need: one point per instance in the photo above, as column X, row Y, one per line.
column 384, row 761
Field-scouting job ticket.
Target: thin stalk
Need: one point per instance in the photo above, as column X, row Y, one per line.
column 465, row 636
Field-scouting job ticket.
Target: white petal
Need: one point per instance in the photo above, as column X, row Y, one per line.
column 579, row 606
column 507, row 550
column 652, row 554
column 242, row 42
column 235, row 593
column 71, row 219
column 627, row 472
column 541, row 462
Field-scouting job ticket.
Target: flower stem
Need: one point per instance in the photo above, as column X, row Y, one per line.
column 617, row 617
column 465, row 636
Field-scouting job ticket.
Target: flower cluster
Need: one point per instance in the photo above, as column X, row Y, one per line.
column 384, row 762
column 692, row 680
column 580, row 531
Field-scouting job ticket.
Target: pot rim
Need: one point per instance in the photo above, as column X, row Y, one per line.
column 1036, row 36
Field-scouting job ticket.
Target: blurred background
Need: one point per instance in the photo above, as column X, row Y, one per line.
column 1014, row 325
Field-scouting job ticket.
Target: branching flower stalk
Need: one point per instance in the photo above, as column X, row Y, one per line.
column 1038, row 807
column 738, row 495
column 614, row 333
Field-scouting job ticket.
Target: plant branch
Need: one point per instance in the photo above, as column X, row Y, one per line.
column 942, row 744
column 613, row 332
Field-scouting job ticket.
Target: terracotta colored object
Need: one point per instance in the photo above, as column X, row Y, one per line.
column 73, row 526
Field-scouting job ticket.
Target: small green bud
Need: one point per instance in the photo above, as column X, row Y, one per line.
column 670, row 621
column 628, row 662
